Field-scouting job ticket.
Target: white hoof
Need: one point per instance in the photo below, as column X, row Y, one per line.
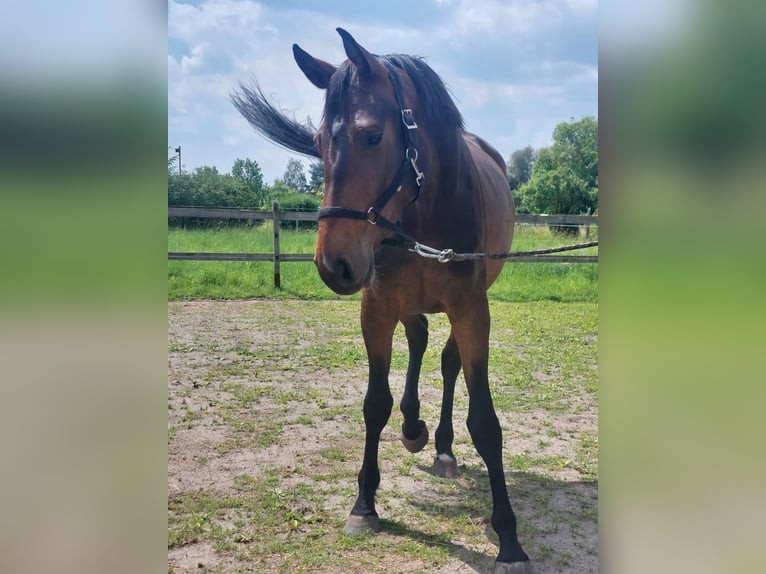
column 445, row 466
column 514, row 568
column 361, row 524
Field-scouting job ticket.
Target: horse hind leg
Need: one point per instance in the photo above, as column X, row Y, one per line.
column 414, row 430
column 445, row 463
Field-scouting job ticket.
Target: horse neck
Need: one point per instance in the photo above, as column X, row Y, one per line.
column 453, row 170
column 444, row 201
column 445, row 153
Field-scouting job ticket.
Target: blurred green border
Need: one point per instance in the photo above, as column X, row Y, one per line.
column 681, row 293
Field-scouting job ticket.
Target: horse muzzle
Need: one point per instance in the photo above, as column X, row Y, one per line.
column 345, row 275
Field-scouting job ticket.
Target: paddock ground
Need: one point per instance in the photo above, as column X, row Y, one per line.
column 265, row 437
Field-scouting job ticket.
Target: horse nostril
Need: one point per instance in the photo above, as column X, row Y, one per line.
column 342, row 271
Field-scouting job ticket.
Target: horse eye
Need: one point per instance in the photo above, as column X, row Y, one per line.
column 374, row 138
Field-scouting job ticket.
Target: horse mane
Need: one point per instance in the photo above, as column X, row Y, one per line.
column 438, row 107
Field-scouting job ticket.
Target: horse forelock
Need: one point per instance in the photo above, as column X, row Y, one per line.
column 337, row 89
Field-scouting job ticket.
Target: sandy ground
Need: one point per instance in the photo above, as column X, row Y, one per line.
column 215, row 346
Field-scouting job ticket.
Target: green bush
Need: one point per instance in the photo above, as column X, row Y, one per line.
column 298, row 202
column 206, row 187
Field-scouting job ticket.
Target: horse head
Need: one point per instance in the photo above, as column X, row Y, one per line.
column 370, row 160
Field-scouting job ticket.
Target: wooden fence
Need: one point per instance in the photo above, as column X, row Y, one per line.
column 277, row 215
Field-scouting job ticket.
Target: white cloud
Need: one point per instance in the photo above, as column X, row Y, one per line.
column 582, row 6
column 226, row 18
column 554, row 80
column 518, row 19
column 481, row 94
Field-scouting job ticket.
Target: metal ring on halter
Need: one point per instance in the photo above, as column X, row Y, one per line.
column 372, row 216
column 407, row 154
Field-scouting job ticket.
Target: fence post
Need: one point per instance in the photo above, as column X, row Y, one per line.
column 275, row 221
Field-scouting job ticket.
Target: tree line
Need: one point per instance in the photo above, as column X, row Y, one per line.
column 244, row 186
column 562, row 178
column 559, row 179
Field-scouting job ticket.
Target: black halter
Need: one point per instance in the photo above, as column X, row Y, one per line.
column 373, row 213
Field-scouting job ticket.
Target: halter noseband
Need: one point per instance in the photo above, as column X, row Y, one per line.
column 373, row 213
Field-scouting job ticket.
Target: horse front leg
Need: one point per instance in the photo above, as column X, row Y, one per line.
column 378, row 331
column 470, row 323
column 445, row 463
column 414, row 430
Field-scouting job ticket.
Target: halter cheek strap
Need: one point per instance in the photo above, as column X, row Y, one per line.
column 373, row 213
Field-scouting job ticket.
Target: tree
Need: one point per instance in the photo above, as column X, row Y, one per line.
column 316, row 177
column 249, row 173
column 279, row 189
column 520, row 166
column 218, row 190
column 180, row 190
column 172, row 162
column 565, row 176
column 295, row 176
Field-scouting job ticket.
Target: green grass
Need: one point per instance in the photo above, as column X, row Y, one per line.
column 189, row 280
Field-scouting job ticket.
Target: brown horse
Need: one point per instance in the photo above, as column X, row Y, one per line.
column 398, row 165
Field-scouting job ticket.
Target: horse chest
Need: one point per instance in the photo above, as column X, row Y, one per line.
column 414, row 285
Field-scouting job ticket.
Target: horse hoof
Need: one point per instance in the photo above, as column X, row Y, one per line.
column 361, row 524
column 416, row 444
column 445, row 466
column 514, row 568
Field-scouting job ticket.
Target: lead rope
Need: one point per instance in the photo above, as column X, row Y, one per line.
column 445, row 255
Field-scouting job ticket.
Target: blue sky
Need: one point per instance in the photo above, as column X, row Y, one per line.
column 516, row 68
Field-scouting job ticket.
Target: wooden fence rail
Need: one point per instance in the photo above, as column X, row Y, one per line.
column 277, row 215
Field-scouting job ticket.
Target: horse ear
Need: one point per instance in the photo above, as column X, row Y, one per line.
column 317, row 71
column 368, row 65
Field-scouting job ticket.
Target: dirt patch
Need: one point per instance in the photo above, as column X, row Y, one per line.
column 265, row 437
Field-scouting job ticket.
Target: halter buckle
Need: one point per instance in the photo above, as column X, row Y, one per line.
column 372, row 216
column 408, row 119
